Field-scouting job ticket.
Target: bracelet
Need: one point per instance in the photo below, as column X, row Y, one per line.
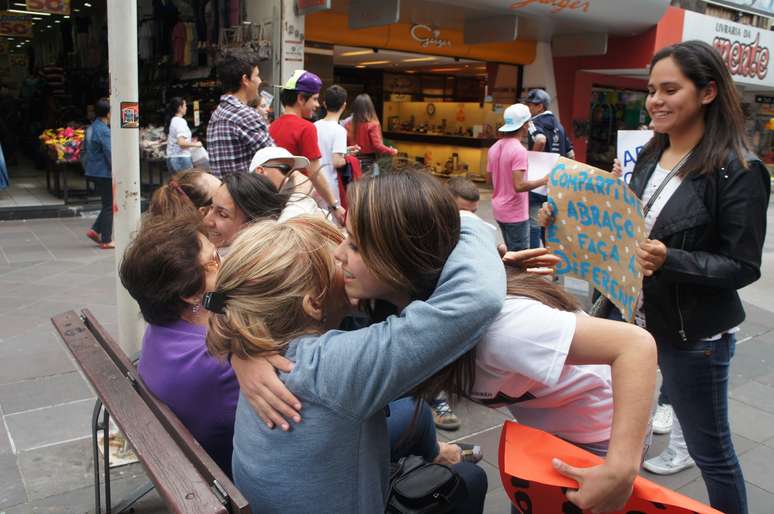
column 332, row 207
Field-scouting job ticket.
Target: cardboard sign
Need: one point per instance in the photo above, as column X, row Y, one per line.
column 52, row 6
column 533, row 486
column 630, row 144
column 597, row 226
column 15, row 25
column 539, row 165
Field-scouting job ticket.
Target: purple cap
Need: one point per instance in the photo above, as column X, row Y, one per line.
column 304, row 81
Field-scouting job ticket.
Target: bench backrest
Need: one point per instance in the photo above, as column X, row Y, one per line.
column 178, row 480
column 209, row 470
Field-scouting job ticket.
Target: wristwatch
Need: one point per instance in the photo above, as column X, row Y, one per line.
column 334, row 206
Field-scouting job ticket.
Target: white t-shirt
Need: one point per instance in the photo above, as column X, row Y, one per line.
column 520, row 364
column 331, row 138
column 300, row 204
column 178, row 127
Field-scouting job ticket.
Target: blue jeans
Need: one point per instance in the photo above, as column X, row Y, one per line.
column 696, row 382
column 515, row 235
column 421, row 440
column 180, row 163
column 535, row 230
column 103, row 225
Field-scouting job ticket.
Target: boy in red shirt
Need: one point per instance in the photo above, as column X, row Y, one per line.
column 294, row 132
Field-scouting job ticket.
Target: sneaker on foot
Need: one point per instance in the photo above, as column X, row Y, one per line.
column 663, row 419
column 669, row 462
column 94, row 236
column 443, row 416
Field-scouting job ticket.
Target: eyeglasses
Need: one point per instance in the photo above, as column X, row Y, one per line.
column 214, row 263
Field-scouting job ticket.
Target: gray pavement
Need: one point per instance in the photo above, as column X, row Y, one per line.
column 49, row 266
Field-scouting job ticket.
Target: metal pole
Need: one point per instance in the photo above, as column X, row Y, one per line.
column 125, row 140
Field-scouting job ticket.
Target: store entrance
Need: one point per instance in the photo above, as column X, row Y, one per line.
column 433, row 109
column 613, row 110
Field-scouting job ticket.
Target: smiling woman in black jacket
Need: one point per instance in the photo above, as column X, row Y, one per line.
column 707, row 225
column 706, row 197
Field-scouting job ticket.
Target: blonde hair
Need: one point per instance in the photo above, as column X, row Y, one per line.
column 269, row 270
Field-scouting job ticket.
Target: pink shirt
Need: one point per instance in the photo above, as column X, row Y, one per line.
column 506, row 156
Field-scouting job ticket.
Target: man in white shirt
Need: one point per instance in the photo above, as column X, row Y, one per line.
column 332, row 137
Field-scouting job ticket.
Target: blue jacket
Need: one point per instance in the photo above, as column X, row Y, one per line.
column 337, row 459
column 96, row 160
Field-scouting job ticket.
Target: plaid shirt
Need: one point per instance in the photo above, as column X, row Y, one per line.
column 234, row 134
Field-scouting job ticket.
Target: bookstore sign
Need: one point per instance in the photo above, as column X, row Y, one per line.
column 746, row 50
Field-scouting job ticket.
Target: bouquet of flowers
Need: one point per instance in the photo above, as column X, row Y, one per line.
column 64, row 142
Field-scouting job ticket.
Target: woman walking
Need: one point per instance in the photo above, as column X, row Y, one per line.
column 179, row 141
column 364, row 130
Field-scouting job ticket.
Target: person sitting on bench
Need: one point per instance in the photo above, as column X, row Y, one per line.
column 167, row 269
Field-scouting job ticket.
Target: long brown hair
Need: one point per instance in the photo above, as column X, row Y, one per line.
column 724, row 132
column 363, row 111
column 406, row 225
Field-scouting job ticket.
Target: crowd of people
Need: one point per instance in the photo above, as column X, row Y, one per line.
column 302, row 320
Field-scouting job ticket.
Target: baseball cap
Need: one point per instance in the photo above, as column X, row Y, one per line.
column 304, row 81
column 538, row 96
column 278, row 154
column 515, row 117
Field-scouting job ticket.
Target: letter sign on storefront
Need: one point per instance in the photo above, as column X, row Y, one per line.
column 427, row 36
column 746, row 50
column 52, row 6
column 12, row 25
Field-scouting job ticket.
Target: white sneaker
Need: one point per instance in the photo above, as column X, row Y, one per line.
column 663, row 419
column 669, row 462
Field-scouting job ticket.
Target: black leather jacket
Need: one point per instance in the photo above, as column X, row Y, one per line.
column 713, row 227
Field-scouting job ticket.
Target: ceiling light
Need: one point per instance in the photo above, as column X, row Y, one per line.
column 37, row 18
column 48, row 26
column 76, row 10
column 420, row 59
column 86, row 4
column 356, row 52
column 369, row 63
column 36, row 13
column 20, row 4
column 67, row 17
column 445, row 69
column 359, row 66
column 57, row 21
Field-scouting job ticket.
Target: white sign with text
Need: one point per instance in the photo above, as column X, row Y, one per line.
column 630, row 144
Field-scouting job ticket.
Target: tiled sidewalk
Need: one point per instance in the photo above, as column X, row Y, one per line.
column 48, row 266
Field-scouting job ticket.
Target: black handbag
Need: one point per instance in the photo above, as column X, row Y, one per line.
column 419, row 487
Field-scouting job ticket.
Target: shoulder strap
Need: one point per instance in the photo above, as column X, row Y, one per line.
column 675, row 171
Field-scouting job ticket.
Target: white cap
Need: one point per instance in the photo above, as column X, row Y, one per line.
column 515, row 117
column 279, row 154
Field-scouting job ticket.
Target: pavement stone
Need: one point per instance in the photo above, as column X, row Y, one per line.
column 50, row 425
column 57, row 469
column 750, row 422
column 757, row 467
column 755, row 394
column 11, row 484
column 37, row 353
column 43, row 392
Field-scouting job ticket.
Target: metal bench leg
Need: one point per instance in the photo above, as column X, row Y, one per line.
column 95, row 448
column 106, row 456
column 134, row 497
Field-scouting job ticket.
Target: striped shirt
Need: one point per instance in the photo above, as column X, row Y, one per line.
column 234, row 134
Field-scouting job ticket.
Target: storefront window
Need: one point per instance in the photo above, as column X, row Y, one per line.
column 613, row 110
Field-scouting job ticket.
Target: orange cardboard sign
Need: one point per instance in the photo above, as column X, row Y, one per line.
column 598, row 226
column 534, row 487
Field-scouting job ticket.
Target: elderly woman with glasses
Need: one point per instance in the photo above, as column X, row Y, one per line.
column 167, row 269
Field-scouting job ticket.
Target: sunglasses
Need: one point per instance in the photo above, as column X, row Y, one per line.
column 284, row 168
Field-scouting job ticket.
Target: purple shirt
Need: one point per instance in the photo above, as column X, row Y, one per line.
column 201, row 390
column 506, row 156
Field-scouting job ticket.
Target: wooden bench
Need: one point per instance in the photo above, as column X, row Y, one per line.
column 184, row 475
